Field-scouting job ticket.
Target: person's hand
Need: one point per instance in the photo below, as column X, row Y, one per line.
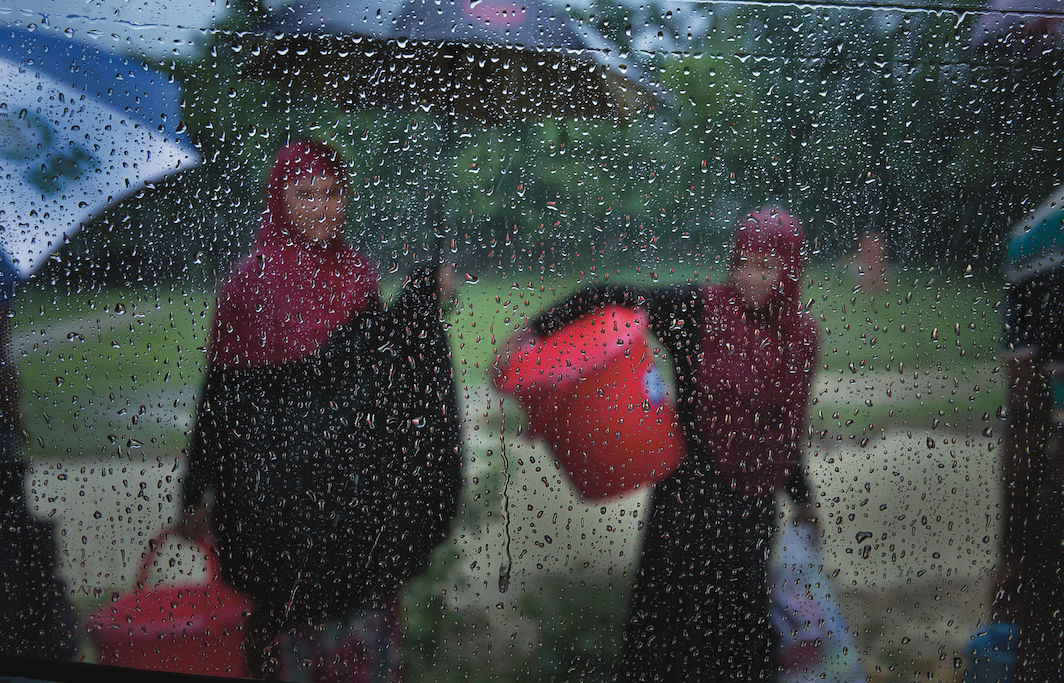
column 516, row 344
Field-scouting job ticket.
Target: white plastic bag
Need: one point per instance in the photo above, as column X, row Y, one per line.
column 815, row 642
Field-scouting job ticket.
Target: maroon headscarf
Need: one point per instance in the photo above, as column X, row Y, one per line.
column 757, row 365
column 283, row 300
column 773, row 230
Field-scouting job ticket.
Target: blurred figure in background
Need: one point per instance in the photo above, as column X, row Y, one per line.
column 744, row 355
column 36, row 618
column 871, row 263
column 1031, row 573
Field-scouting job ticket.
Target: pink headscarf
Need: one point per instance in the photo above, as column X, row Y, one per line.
column 283, row 300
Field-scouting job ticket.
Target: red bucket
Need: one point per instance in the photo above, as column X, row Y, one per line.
column 595, row 391
column 190, row 629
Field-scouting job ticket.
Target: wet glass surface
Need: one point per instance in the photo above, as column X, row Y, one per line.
column 536, row 150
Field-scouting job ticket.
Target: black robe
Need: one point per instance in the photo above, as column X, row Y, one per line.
column 334, row 476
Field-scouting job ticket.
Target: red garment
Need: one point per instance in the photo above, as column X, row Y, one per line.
column 756, row 365
column 281, row 302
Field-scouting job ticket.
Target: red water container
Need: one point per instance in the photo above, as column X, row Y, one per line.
column 190, row 629
column 595, row 391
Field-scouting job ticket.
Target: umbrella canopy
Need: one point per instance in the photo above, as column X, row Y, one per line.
column 80, row 127
column 487, row 61
column 1023, row 30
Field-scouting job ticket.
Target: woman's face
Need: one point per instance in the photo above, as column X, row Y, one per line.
column 316, row 207
column 759, row 278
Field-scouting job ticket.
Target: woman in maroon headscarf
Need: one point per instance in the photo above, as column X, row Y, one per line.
column 302, row 279
column 744, row 354
column 327, row 437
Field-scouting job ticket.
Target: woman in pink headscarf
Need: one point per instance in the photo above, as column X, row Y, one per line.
column 327, row 435
column 744, row 353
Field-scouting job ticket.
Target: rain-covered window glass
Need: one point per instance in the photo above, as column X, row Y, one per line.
column 507, row 341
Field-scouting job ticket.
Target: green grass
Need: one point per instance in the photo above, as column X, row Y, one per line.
column 922, row 322
column 111, row 370
column 927, row 325
column 935, row 339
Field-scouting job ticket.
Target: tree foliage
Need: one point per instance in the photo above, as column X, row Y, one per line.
column 860, row 118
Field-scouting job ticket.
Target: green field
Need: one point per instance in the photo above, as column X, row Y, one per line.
column 933, row 342
column 109, row 371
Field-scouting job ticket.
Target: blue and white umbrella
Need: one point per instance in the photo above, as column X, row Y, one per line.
column 80, row 128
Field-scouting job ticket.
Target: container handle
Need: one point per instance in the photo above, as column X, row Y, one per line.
column 163, row 537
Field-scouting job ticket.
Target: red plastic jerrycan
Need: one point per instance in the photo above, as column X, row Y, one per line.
column 595, row 391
